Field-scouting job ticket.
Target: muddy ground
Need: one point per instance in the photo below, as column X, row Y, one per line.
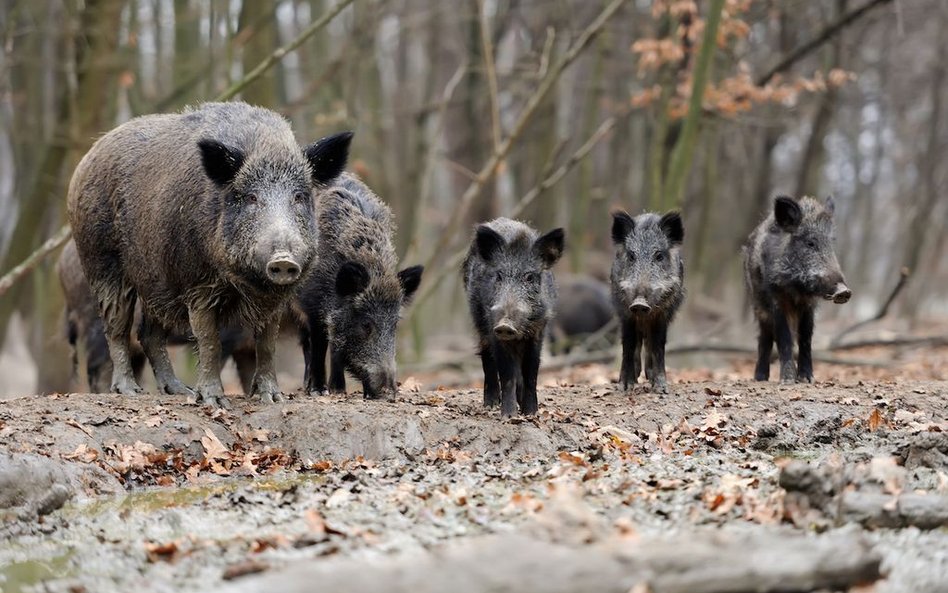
column 161, row 495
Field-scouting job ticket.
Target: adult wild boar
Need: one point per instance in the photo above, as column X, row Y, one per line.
column 648, row 276
column 789, row 264
column 511, row 293
column 207, row 216
column 352, row 301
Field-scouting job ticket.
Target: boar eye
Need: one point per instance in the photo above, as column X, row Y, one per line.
column 498, row 275
column 300, row 197
column 251, row 198
column 659, row 256
column 530, row 277
column 811, row 243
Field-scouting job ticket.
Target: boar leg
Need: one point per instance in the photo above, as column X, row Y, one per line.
column 765, row 345
column 154, row 339
column 784, row 339
column 337, row 373
column 530, row 368
column 631, row 344
column 264, row 381
column 804, row 341
column 643, row 352
column 316, row 359
column 245, row 359
column 205, row 328
column 491, row 378
column 655, row 352
column 117, row 312
column 508, row 369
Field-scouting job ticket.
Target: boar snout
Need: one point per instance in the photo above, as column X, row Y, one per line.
column 283, row 269
column 640, row 306
column 506, row 330
column 841, row 294
column 380, row 385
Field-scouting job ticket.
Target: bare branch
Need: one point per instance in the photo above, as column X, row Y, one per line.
column 491, row 71
column 51, row 244
column 883, row 311
column 822, row 37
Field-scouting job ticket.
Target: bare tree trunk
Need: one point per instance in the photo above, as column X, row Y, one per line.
column 257, row 25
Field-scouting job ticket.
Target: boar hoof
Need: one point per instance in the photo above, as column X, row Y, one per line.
column 126, row 386
column 659, row 387
column 176, row 387
column 805, row 378
column 271, row 398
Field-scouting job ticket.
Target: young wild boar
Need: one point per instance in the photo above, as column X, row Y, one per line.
column 647, row 289
column 511, row 293
column 583, row 307
column 207, row 217
column 352, row 301
column 83, row 325
column 789, row 263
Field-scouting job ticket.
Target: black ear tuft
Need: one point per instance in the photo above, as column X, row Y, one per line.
column 221, row 163
column 550, row 246
column 673, row 227
column 328, row 156
column 787, row 213
column 351, row 279
column 622, row 226
column 830, row 205
column 410, row 278
column 488, row 242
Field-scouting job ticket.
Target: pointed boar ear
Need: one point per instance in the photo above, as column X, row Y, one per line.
column 488, row 242
column 351, row 279
column 622, row 226
column 830, row 205
column 221, row 163
column 673, row 227
column 787, row 213
column 550, row 246
column 410, row 278
column 328, row 156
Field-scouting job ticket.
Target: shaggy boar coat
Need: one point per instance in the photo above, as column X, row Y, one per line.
column 351, row 303
column 648, row 276
column 511, row 293
column 207, row 217
column 790, row 264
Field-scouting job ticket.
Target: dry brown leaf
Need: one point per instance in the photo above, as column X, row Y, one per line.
column 411, row 385
column 166, row 552
column 875, row 420
column 82, row 453
column 338, row 498
column 153, row 422
column 247, row 567
column 75, row 424
column 213, row 447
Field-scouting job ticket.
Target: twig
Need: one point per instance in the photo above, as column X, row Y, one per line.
column 280, row 52
column 825, row 35
column 930, row 341
column 498, row 155
column 51, row 244
column 883, row 311
column 491, row 71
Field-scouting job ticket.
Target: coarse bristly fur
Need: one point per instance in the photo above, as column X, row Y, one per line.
column 353, row 300
column 790, row 264
column 511, row 294
column 207, row 217
column 648, row 275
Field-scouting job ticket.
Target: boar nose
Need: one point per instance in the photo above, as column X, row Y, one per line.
column 282, row 269
column 841, row 294
column 640, row 306
column 505, row 330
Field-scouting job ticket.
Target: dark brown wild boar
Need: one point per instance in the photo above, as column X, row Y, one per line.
column 206, row 216
column 790, row 264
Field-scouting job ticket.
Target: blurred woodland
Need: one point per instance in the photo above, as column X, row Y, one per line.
column 554, row 111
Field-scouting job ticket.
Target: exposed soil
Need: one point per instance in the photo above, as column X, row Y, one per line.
column 166, row 496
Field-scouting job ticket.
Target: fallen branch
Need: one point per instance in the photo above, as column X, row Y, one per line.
column 51, row 244
column 822, row 37
column 883, row 311
column 932, row 341
column 708, row 561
